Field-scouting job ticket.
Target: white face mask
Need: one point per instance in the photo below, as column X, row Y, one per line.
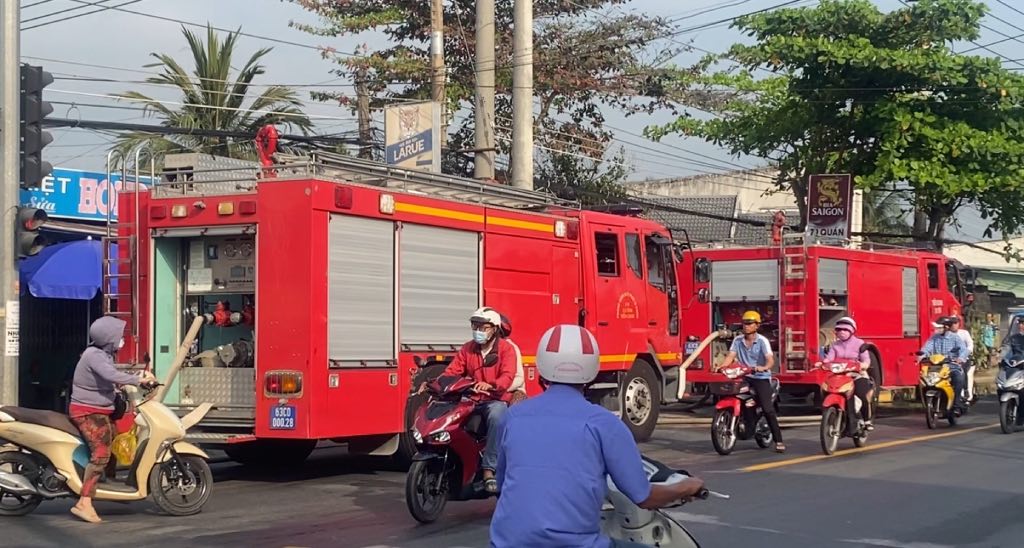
column 120, row 344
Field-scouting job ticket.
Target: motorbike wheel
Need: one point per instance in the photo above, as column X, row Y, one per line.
column 14, row 462
column 723, row 435
column 831, row 428
column 1008, row 416
column 426, row 493
column 930, row 412
column 762, row 432
column 181, row 490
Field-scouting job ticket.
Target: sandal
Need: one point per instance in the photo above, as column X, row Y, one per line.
column 85, row 516
column 491, row 485
column 780, row 448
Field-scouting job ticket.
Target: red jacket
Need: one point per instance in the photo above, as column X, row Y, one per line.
column 469, row 363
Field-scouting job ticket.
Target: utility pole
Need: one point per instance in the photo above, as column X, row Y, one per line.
column 10, row 137
column 363, row 112
column 437, row 62
column 483, row 134
column 522, row 95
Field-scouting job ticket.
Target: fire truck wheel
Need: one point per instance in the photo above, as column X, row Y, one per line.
column 876, row 377
column 271, row 452
column 640, row 400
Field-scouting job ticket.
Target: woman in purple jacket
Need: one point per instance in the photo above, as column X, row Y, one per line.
column 92, row 403
column 849, row 347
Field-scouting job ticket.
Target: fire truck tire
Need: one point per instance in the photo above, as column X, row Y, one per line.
column 402, row 458
column 271, row 452
column 640, row 400
column 876, row 377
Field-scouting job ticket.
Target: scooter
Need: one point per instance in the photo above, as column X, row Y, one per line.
column 450, row 439
column 621, row 519
column 937, row 391
column 737, row 414
column 1010, row 387
column 47, row 459
column 838, row 388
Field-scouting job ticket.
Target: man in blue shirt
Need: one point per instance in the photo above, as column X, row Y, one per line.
column 755, row 351
column 950, row 345
column 556, row 451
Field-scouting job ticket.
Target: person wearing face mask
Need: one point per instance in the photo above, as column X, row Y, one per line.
column 490, row 361
column 92, row 403
column 848, row 347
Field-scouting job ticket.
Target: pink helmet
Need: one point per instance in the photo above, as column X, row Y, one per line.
column 568, row 354
column 847, row 323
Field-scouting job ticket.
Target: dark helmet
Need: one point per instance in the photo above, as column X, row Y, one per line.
column 506, row 326
column 945, row 321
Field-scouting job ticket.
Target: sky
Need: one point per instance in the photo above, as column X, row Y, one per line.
column 122, row 42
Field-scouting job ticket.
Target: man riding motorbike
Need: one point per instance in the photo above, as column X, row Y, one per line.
column 968, row 366
column 849, row 347
column 491, row 362
column 556, row 450
column 1013, row 347
column 946, row 342
column 753, row 350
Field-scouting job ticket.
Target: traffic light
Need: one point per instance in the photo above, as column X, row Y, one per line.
column 33, row 138
column 29, row 240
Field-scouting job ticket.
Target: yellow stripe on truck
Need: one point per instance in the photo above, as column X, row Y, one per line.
column 405, row 207
column 526, row 225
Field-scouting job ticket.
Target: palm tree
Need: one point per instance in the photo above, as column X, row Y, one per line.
column 214, row 99
column 885, row 213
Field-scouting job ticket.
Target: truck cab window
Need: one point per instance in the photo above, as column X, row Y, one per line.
column 933, row 276
column 607, row 253
column 953, row 281
column 655, row 263
column 633, row 254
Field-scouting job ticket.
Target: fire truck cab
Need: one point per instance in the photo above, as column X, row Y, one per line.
column 332, row 287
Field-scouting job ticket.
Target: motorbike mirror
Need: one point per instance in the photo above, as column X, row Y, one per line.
column 418, row 361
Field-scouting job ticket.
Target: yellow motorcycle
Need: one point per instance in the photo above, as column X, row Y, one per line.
column 936, row 391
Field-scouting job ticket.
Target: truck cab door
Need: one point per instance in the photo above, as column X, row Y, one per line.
column 615, row 310
column 662, row 289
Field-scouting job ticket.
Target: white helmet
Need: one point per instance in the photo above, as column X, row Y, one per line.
column 486, row 315
column 568, row 354
column 847, row 322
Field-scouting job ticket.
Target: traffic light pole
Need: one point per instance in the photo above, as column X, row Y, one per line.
column 10, row 86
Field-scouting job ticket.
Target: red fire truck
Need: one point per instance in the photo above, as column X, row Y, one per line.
column 801, row 290
column 336, row 285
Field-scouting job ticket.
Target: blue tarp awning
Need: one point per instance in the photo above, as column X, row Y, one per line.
column 69, row 270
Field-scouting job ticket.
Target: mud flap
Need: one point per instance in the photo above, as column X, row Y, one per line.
column 377, row 446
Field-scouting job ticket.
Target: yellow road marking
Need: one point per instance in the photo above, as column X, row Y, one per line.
column 855, row 450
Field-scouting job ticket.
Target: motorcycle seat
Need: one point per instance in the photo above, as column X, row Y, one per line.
column 49, row 419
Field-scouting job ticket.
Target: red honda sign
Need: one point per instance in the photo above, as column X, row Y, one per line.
column 829, row 204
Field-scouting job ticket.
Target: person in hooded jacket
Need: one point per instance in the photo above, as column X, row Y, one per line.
column 849, row 347
column 92, row 403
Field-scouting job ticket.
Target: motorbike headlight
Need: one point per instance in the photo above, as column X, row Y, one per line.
column 442, row 437
column 838, row 367
column 933, row 377
column 417, row 436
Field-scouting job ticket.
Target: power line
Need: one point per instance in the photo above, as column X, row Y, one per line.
column 76, row 16
column 34, row 4
column 60, row 11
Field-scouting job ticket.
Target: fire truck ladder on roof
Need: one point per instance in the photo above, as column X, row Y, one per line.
column 793, row 298
column 358, row 170
column 122, row 265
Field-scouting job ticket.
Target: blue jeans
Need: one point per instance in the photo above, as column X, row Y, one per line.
column 956, row 378
column 492, row 412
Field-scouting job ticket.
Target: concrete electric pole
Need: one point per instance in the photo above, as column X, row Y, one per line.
column 10, row 136
column 437, row 63
column 483, row 129
column 522, row 95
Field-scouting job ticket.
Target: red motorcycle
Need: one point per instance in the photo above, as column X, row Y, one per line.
column 450, row 441
column 838, row 393
column 737, row 414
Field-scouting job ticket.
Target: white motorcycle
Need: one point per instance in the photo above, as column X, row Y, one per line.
column 621, row 519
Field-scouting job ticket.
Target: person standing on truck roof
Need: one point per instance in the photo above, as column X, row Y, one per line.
column 849, row 347
column 968, row 341
column 557, row 450
column 753, row 350
column 491, row 362
column 946, row 342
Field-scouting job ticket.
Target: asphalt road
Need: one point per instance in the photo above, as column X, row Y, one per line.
column 911, row 487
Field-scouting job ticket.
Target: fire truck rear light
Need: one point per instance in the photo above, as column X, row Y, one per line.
column 560, row 229
column 387, row 203
column 282, row 383
column 179, row 211
column 247, row 207
column 572, row 231
column 225, row 208
column 343, row 197
column 158, row 212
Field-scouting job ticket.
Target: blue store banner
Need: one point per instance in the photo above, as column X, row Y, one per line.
column 74, row 194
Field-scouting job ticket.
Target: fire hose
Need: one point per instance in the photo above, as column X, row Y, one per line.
column 179, row 358
column 721, row 333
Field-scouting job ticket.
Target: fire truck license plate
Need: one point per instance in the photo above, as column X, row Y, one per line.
column 282, row 417
column 691, row 347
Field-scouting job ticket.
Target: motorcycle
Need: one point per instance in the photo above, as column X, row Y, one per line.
column 737, row 414
column 47, row 459
column 1009, row 387
column 450, row 441
column 838, row 388
column 936, row 391
column 621, row 519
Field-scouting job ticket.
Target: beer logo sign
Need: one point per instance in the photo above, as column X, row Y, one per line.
column 829, row 201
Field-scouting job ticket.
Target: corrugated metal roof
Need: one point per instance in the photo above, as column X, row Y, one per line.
column 699, row 228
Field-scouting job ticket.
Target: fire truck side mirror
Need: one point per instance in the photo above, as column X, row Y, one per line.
column 702, row 271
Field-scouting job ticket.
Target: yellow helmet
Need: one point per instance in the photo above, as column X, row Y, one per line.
column 752, row 316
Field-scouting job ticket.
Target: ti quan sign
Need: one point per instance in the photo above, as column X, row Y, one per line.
column 829, row 204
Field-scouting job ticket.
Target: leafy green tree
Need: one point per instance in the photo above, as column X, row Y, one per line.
column 585, row 61
column 214, row 97
column 882, row 95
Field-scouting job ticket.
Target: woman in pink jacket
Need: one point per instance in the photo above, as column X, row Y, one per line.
column 850, row 347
